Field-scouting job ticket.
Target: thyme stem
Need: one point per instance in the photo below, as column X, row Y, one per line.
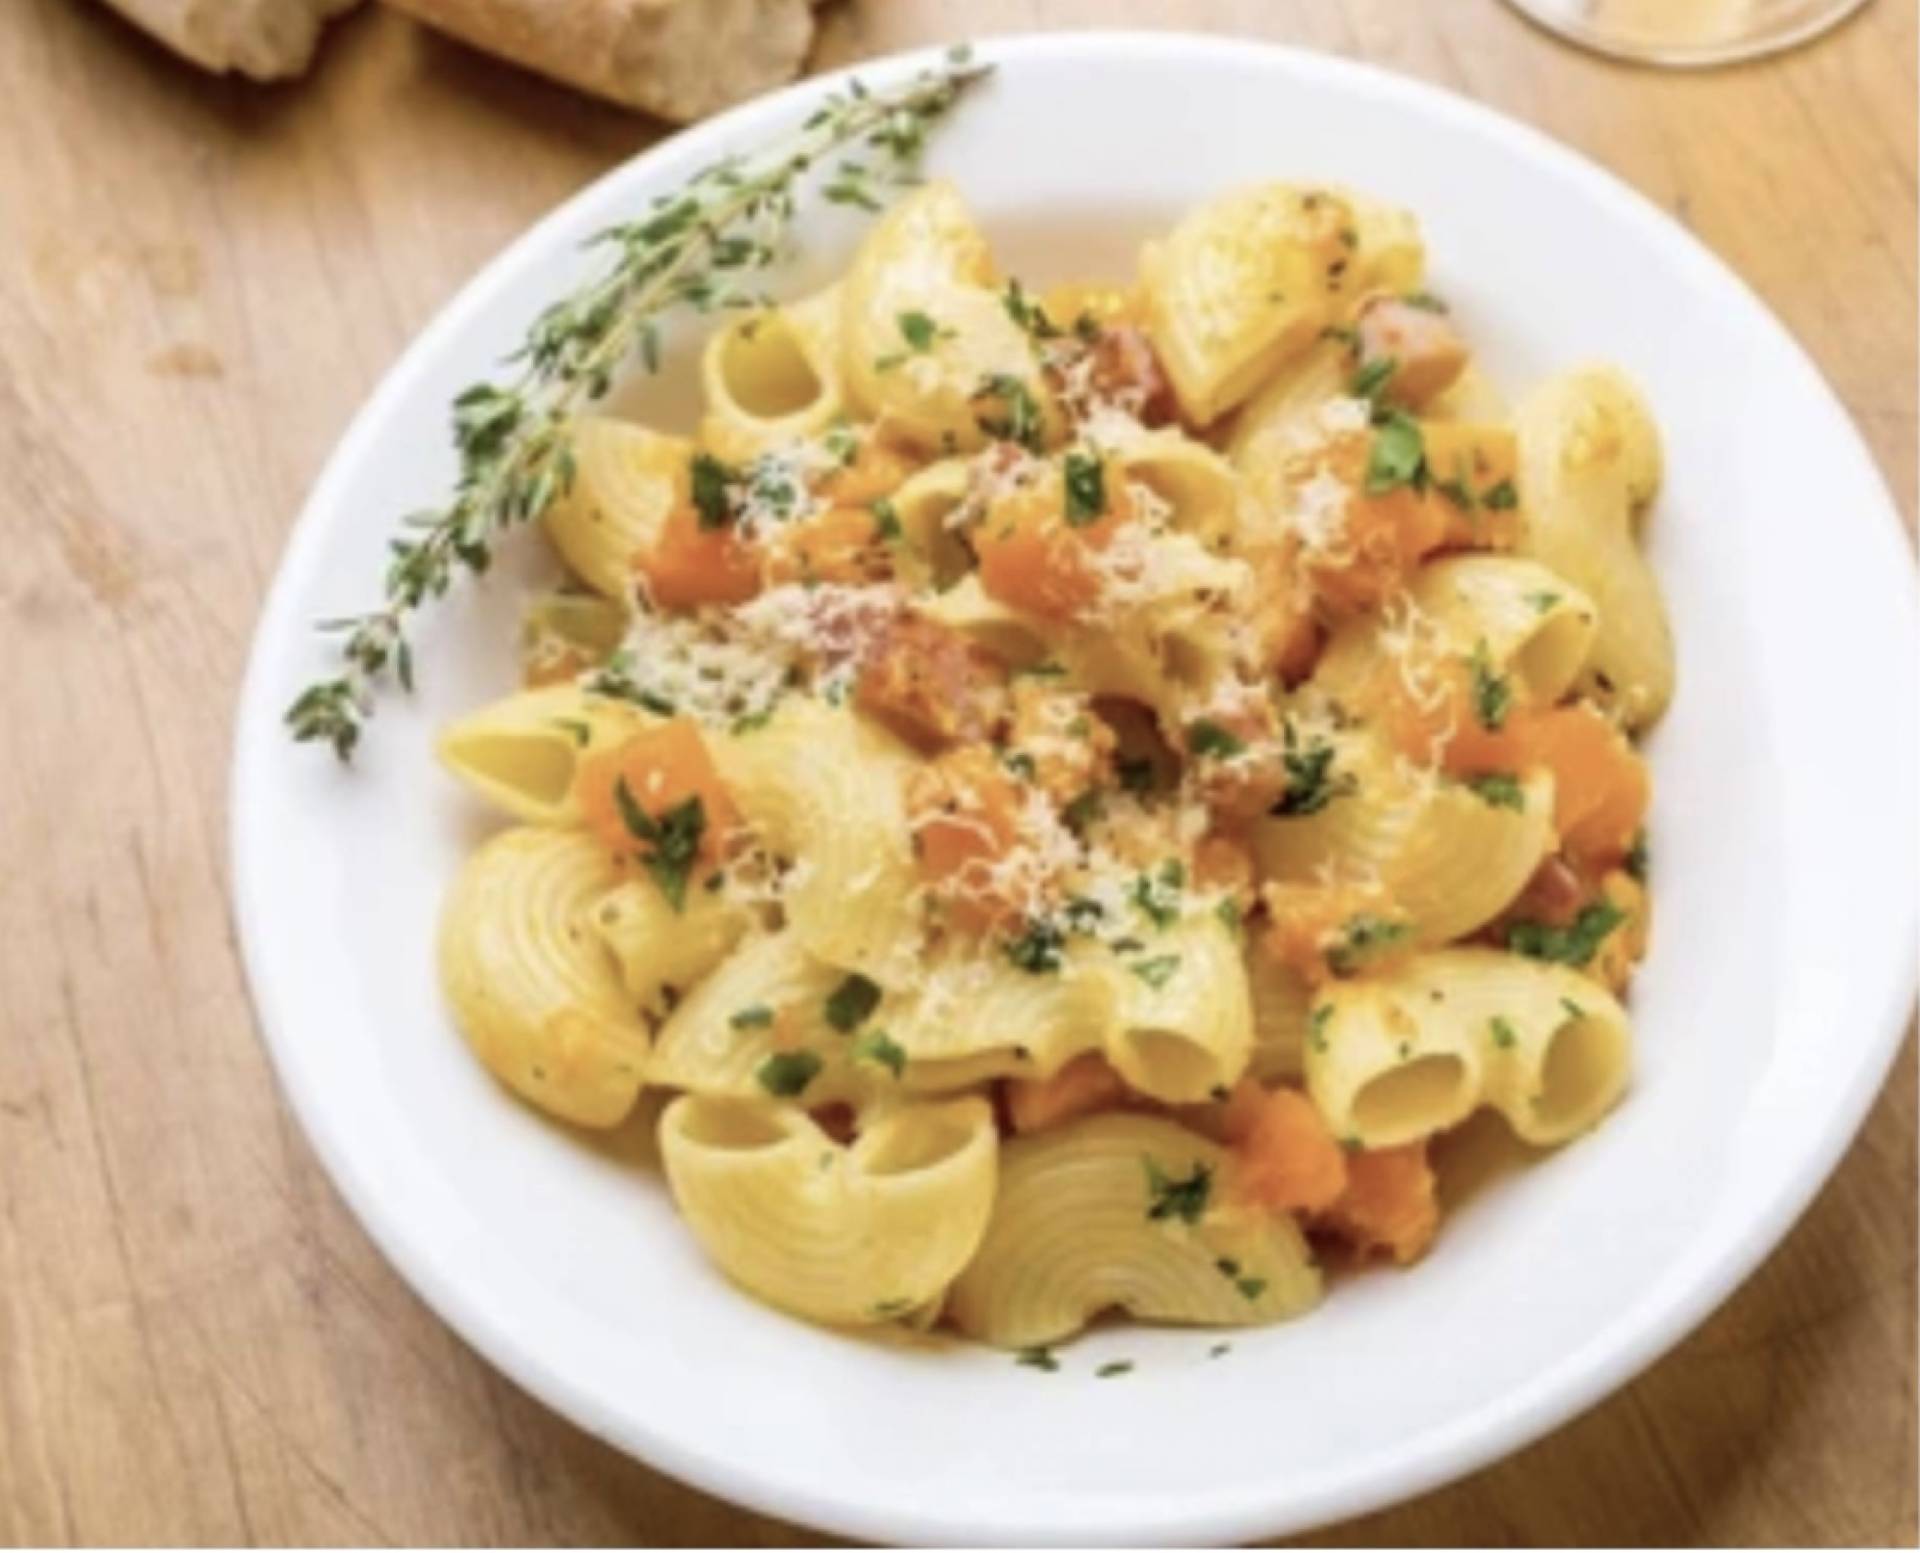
column 691, row 249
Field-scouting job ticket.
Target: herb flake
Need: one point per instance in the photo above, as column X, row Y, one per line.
column 1184, row 1198
column 787, row 1074
column 1574, row 944
column 851, row 1003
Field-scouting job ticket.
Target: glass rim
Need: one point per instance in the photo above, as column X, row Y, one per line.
column 1557, row 18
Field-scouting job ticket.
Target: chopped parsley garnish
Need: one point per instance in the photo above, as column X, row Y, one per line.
column 1501, row 498
column 1492, row 693
column 1311, row 784
column 920, row 332
column 1158, row 893
column 1184, row 1199
column 1574, row 1010
column 1543, row 601
column 1317, row 1023
column 887, row 1310
column 1574, row 944
column 851, row 1003
column 1019, row 420
column 1456, row 492
column 1114, row 1367
column 1085, row 480
column 672, row 841
column 1498, row 789
column 755, row 1016
column 886, row 521
column 1364, row 936
column 711, row 483
column 1218, row 1350
column 878, row 1046
column 787, row 1074
column 1158, row 971
column 1637, row 857
column 574, row 729
column 1370, row 382
column 1426, row 301
column 1228, row 911
column 1207, row 738
column 1504, row 1036
column 1020, row 763
column 1398, row 456
column 1085, row 809
column 1250, row 1288
column 1083, row 913
column 1037, row 950
column 1039, row 1357
column 1027, row 313
column 841, row 443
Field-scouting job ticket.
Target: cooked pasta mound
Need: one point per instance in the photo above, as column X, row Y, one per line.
column 1076, row 791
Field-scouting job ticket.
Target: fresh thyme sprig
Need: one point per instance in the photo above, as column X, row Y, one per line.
column 692, row 249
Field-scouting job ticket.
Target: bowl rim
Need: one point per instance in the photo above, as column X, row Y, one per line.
column 1507, row 1423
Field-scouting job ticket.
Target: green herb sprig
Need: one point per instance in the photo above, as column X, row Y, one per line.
column 694, row 249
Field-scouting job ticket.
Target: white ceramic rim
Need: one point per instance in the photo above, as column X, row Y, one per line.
column 1510, row 1421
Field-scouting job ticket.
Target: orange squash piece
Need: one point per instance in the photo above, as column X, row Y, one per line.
column 1285, row 1156
column 841, row 544
column 963, row 809
column 930, row 684
column 1390, row 1203
column 1309, row 923
column 689, row 565
column 1033, row 559
column 1601, row 786
column 661, row 768
column 878, row 469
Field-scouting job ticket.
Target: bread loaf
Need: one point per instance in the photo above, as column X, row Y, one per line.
column 680, row 59
column 265, row 39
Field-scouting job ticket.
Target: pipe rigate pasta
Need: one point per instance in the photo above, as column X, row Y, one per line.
column 1412, row 1053
column 1590, row 461
column 851, row 1236
column 773, row 377
column 531, row 987
column 1071, row 791
column 523, row 752
column 626, row 480
column 1125, row 1213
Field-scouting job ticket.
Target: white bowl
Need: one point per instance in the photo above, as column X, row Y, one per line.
column 1784, row 832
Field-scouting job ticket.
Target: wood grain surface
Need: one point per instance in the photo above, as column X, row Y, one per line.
column 198, row 284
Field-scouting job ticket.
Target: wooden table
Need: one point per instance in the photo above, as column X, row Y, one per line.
column 198, row 284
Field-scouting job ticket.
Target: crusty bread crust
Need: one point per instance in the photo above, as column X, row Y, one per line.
column 264, row 39
column 680, row 59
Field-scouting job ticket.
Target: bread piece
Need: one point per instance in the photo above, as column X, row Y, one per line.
column 680, row 59
column 265, row 39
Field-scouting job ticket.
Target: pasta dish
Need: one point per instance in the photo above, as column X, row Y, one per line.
column 1071, row 792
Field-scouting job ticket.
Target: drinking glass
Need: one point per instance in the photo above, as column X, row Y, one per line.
column 1687, row 32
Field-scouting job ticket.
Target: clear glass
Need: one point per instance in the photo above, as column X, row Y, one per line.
column 1687, row 32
